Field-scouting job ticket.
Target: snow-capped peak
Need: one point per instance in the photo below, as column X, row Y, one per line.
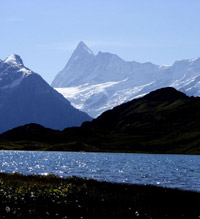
column 14, row 59
column 95, row 83
column 12, row 72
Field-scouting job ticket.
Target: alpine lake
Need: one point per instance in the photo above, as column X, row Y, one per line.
column 173, row 171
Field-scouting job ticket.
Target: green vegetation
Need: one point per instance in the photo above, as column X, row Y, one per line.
column 83, row 139
column 53, row 197
column 164, row 121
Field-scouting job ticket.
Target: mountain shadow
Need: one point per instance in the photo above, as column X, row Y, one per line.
column 163, row 121
column 25, row 97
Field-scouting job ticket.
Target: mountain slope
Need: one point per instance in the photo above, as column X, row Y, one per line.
column 164, row 121
column 159, row 111
column 96, row 83
column 85, row 67
column 26, row 98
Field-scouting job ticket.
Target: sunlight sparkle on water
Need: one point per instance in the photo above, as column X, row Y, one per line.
column 177, row 171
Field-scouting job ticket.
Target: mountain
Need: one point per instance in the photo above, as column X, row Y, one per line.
column 26, row 98
column 96, row 83
column 86, row 67
column 163, row 121
column 160, row 111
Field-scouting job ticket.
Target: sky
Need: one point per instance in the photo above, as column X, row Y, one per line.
column 45, row 32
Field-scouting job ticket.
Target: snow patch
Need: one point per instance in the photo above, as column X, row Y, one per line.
column 100, row 82
column 12, row 72
column 95, row 99
column 14, row 60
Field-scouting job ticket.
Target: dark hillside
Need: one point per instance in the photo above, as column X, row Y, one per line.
column 164, row 121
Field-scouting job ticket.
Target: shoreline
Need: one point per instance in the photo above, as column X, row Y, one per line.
column 105, row 151
column 50, row 196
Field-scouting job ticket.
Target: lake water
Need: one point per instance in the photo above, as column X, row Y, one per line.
column 175, row 171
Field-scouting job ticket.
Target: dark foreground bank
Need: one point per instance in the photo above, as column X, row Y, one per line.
column 52, row 197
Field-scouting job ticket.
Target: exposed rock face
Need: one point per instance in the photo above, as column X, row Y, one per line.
column 26, row 98
column 96, row 83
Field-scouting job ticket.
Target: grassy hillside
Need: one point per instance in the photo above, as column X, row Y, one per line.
column 164, row 121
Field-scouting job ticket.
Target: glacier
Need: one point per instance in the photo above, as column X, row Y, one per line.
column 96, row 83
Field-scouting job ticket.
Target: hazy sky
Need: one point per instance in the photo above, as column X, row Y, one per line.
column 45, row 32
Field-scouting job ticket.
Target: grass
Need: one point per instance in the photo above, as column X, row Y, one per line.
column 164, row 121
column 53, row 197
